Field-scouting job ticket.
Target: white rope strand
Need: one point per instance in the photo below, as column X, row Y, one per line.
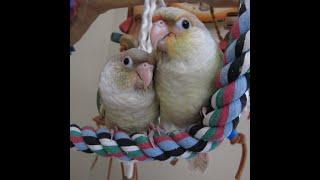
column 146, row 25
column 152, row 9
column 162, row 3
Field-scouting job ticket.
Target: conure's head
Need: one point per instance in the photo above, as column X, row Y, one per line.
column 179, row 33
column 129, row 70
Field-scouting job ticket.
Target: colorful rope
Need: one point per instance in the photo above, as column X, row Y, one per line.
column 76, row 139
column 227, row 103
column 237, row 47
column 128, row 146
column 242, row 24
column 109, row 145
column 154, row 152
column 177, row 144
column 233, row 79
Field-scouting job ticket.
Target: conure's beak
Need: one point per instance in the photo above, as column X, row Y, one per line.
column 158, row 34
column 145, row 72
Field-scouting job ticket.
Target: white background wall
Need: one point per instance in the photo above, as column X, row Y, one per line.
column 85, row 66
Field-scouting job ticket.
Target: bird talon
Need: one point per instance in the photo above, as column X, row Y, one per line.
column 204, row 111
column 115, row 128
column 150, row 136
column 112, row 131
column 152, row 126
column 99, row 120
column 158, row 130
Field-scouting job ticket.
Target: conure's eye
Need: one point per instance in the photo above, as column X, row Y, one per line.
column 183, row 23
column 127, row 62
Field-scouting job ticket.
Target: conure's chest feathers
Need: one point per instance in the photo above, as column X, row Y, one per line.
column 129, row 109
column 131, row 113
column 185, row 86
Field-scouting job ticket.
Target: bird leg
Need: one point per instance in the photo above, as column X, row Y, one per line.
column 205, row 110
column 100, row 121
column 152, row 129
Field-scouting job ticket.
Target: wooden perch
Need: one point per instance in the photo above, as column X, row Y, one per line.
column 204, row 16
column 88, row 11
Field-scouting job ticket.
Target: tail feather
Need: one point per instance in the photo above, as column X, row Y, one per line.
column 199, row 162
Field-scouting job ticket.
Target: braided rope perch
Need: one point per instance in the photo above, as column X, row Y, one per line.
column 228, row 103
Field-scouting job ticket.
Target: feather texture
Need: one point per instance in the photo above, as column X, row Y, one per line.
column 199, row 162
column 185, row 74
column 122, row 104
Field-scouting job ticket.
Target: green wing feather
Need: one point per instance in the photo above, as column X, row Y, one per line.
column 98, row 101
column 220, row 54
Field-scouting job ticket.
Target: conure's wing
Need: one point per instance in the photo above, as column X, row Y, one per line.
column 98, row 100
column 220, row 54
column 100, row 106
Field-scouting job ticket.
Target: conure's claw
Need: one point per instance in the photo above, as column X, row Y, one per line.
column 99, row 120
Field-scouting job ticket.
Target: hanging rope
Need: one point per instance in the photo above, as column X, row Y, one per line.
column 162, row 3
column 146, row 25
column 242, row 24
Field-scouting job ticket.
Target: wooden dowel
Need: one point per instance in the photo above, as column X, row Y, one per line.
column 88, row 12
column 109, row 168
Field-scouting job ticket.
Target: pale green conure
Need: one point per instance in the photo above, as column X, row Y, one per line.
column 188, row 59
column 126, row 97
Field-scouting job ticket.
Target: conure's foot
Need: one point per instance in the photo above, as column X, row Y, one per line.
column 153, row 129
column 99, row 120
